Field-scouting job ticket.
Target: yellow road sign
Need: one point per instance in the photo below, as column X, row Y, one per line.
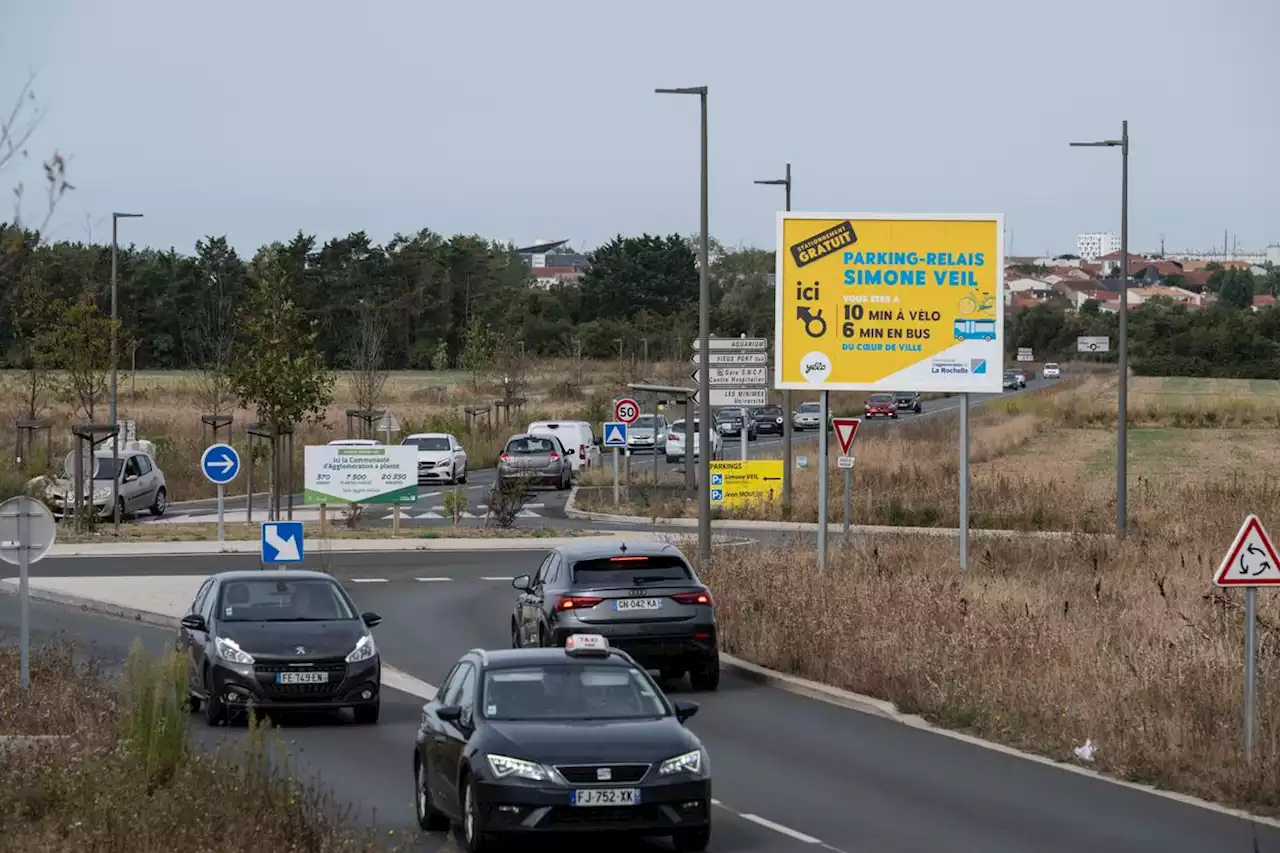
column 738, row 483
column 889, row 302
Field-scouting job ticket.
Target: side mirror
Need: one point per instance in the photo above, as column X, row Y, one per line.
column 685, row 710
column 371, row 619
column 521, row 583
column 449, row 713
column 194, row 622
column 598, row 440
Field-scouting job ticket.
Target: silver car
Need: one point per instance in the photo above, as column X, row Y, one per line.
column 139, row 482
column 649, row 432
column 808, row 416
column 540, row 458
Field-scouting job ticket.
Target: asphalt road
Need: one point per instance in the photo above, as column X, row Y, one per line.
column 790, row 772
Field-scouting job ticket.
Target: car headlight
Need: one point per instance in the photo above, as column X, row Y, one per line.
column 101, row 492
column 504, row 766
column 229, row 651
column 364, row 650
column 444, row 462
column 690, row 762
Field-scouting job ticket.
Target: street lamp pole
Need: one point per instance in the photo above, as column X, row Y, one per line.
column 786, row 394
column 115, row 360
column 1122, row 410
column 704, row 336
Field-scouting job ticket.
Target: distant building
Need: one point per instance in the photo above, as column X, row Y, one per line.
column 1092, row 246
column 550, row 266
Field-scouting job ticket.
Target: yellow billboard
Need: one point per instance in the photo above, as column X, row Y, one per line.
column 752, row 481
column 889, row 302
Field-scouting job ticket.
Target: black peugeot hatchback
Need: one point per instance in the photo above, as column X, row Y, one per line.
column 535, row 742
column 279, row 640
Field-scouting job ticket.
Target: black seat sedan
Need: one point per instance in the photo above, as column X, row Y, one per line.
column 544, row 741
column 770, row 419
column 280, row 640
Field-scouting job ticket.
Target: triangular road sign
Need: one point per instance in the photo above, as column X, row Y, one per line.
column 1252, row 560
column 846, row 429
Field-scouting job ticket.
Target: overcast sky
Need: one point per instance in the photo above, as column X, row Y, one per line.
column 522, row 120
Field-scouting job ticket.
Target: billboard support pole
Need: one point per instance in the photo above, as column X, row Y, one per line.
column 848, row 499
column 964, row 482
column 823, row 459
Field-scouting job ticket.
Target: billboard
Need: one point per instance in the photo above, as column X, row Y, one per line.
column 889, row 302
column 740, row 483
column 337, row 474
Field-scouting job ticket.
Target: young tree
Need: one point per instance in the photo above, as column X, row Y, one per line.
column 33, row 348
column 368, row 357
column 79, row 344
column 478, row 351
column 210, row 335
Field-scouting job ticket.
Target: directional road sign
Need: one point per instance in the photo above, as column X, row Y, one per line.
column 25, row 525
column 1086, row 343
column 626, row 410
column 282, row 542
column 220, row 463
column 846, row 430
column 738, row 377
column 731, row 358
column 733, row 344
column 615, row 434
column 1252, row 559
column 739, row 396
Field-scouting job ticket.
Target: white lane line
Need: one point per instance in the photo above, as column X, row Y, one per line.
column 432, row 580
column 404, row 682
column 497, row 578
column 777, row 827
column 368, row 580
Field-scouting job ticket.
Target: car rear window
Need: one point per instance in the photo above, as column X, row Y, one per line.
column 530, row 446
column 630, row 571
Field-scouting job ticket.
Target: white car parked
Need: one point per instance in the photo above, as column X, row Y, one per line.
column 675, row 442
column 441, row 458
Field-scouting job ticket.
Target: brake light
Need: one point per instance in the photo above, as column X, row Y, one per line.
column 506, row 457
column 671, row 436
column 627, row 559
column 555, row 457
column 693, row 598
column 582, row 451
column 576, row 602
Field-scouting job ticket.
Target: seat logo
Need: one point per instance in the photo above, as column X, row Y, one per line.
column 604, row 774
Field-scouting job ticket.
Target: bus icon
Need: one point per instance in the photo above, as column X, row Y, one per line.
column 975, row 330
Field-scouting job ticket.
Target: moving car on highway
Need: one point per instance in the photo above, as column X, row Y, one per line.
column 807, row 416
column 907, row 401
column 1021, row 376
column 1010, row 381
column 283, row 640
column 730, row 423
column 649, row 432
column 675, row 442
column 880, row 406
column 1052, row 371
column 643, row 596
column 441, row 458
column 532, row 742
column 768, row 419
column 540, row 458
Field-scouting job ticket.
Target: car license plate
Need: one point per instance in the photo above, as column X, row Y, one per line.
column 605, row 797
column 301, row 677
column 623, row 605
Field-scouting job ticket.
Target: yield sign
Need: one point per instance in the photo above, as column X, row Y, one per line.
column 1252, row 559
column 846, row 429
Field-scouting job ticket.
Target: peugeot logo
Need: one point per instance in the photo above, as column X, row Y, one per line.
column 603, row 774
column 299, row 650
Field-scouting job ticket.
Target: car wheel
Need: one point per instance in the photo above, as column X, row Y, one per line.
column 120, row 506
column 515, row 635
column 214, row 711
column 463, row 478
column 692, row 840
column 158, row 506
column 473, row 839
column 707, row 676
column 367, row 715
column 429, row 820
column 193, row 703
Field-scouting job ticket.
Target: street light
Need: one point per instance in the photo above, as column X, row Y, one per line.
column 1122, row 423
column 115, row 359
column 786, row 394
column 704, row 337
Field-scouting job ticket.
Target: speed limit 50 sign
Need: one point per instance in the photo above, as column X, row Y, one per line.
column 626, row 410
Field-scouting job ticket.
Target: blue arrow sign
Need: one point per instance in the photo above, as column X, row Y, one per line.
column 282, row 542
column 220, row 463
column 615, row 434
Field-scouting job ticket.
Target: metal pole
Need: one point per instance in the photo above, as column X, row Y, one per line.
column 113, row 414
column 704, row 337
column 848, row 499
column 221, row 492
column 964, row 481
column 744, row 435
column 823, row 459
column 1122, row 419
column 788, row 460
column 616, row 495
column 688, row 445
column 1250, row 668
column 24, row 594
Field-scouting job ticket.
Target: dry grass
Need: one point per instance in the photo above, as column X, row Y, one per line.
column 126, row 779
column 244, row 532
column 1042, row 644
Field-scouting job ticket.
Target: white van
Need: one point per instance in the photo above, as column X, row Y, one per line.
column 577, row 438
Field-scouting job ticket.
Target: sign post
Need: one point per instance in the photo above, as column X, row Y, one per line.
column 27, row 531
column 737, row 375
column 846, row 430
column 1085, row 343
column 1251, row 562
column 888, row 302
column 615, row 436
column 220, row 464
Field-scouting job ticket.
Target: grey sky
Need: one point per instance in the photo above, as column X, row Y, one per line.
column 521, row 120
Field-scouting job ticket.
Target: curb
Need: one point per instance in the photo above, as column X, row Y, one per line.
column 90, row 605
column 889, row 711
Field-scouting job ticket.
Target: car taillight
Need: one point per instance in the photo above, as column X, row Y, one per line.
column 506, row 457
column 577, row 602
column 693, row 598
column 555, row 457
column 582, row 451
column 671, row 436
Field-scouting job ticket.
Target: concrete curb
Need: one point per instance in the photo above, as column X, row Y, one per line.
column 888, row 710
column 93, row 606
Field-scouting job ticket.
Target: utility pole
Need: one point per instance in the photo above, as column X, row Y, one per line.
column 113, row 408
column 787, row 461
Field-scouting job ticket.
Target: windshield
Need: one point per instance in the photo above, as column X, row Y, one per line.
column 881, row 398
column 571, row 691
column 531, row 445
column 106, row 467
column 769, row 412
column 645, row 422
column 905, row 394
column 429, row 443
column 1051, row 366
column 629, row 571
column 678, row 427
column 730, row 414
column 809, row 407
column 280, row 600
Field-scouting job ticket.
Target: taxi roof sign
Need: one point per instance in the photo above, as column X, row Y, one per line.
column 591, row 645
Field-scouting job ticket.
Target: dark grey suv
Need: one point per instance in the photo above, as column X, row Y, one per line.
column 643, row 596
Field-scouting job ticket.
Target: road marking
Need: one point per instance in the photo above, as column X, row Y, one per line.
column 777, row 827
column 404, row 682
column 432, row 580
column 496, row 578
column 368, row 580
